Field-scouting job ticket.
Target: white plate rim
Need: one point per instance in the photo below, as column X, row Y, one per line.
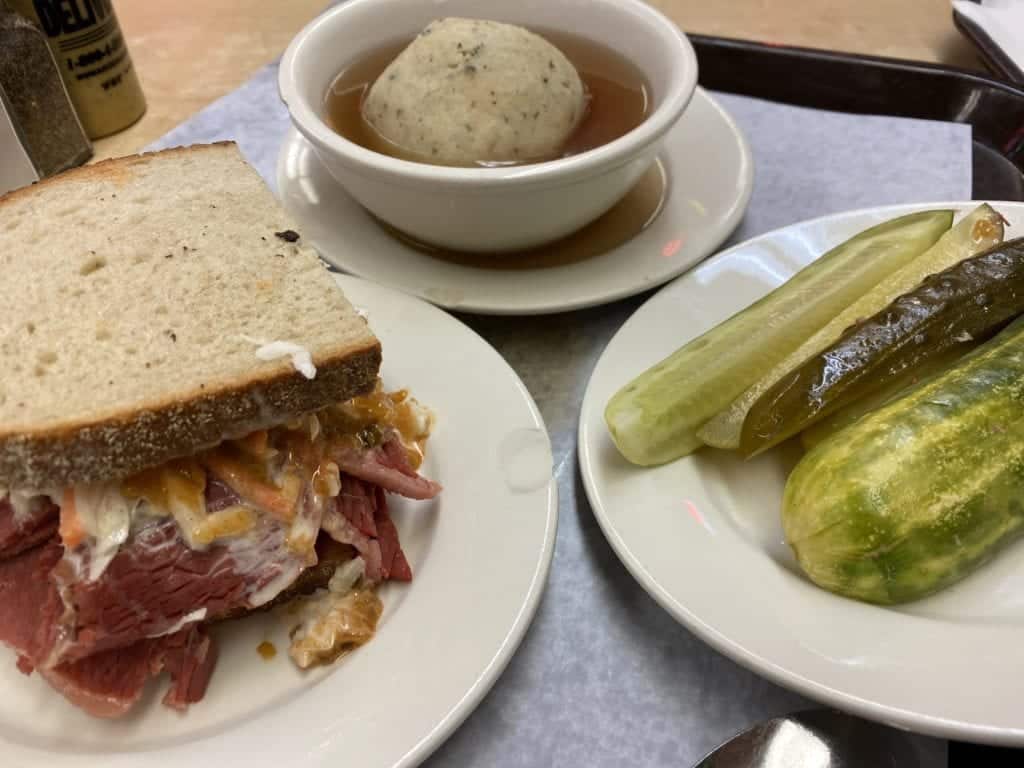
column 733, row 649
column 520, row 303
column 210, row 748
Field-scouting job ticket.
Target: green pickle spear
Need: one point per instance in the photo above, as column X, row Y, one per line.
column 843, row 417
column 655, row 417
column 970, row 300
column 976, row 232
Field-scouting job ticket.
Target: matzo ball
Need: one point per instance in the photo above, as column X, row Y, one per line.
column 467, row 91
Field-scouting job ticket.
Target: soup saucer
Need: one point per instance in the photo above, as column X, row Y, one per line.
column 710, row 176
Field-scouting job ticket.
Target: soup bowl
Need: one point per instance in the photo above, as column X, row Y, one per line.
column 499, row 209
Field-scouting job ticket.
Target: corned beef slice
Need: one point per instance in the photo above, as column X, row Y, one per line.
column 219, row 495
column 360, row 518
column 155, row 582
column 109, row 684
column 394, row 564
column 29, row 603
column 357, row 502
column 34, row 526
column 387, row 466
column 336, row 525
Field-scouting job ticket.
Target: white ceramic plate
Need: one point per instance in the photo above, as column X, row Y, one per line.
column 480, row 554
column 703, row 536
column 710, row 175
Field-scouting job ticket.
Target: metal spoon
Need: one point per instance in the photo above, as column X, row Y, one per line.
column 821, row 738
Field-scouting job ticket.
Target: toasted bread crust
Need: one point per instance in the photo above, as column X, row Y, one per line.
column 107, row 170
column 122, row 444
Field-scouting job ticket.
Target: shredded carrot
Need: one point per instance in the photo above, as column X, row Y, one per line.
column 71, row 531
column 254, row 443
column 249, row 486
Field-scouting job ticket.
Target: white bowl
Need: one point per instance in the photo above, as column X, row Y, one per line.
column 488, row 209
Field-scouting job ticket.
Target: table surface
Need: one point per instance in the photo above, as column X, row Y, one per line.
column 195, row 51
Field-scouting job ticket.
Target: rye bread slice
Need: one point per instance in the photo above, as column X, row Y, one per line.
column 136, row 293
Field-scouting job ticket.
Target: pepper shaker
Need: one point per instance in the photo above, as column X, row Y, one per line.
column 40, row 134
column 93, row 59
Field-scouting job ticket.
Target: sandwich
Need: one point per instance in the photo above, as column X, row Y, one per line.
column 192, row 428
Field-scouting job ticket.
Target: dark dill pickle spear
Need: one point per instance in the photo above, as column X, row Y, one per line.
column 971, row 300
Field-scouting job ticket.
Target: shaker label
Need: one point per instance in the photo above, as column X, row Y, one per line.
column 65, row 17
column 86, row 58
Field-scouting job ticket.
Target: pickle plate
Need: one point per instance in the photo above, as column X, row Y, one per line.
column 703, row 534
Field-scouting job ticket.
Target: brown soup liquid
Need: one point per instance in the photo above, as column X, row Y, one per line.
column 618, row 103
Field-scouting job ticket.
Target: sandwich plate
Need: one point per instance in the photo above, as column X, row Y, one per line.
column 704, row 538
column 480, row 555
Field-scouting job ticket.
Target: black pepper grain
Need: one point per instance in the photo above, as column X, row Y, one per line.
column 288, row 235
column 551, row 64
column 470, row 69
column 545, row 80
